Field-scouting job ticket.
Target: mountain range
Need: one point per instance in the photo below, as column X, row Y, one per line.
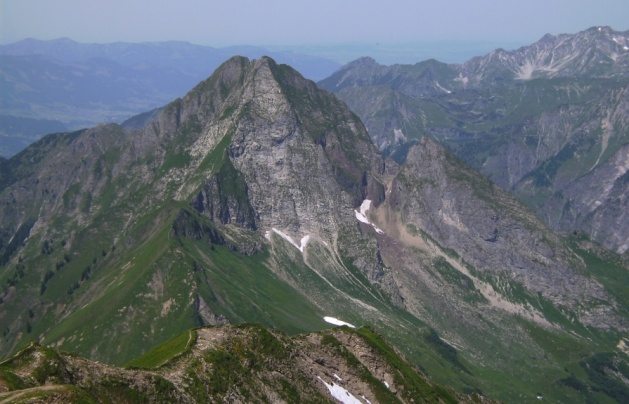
column 547, row 121
column 260, row 197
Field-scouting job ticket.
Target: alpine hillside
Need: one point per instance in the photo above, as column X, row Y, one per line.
column 259, row 197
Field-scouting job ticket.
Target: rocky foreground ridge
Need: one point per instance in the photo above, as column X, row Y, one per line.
column 231, row 364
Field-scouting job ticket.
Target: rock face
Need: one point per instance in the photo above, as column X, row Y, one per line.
column 488, row 228
column 225, row 199
column 583, row 176
column 288, row 133
column 541, row 121
column 259, row 197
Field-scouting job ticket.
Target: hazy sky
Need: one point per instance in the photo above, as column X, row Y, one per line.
column 291, row 22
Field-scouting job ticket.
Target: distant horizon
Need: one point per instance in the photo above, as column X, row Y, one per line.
column 409, row 52
column 284, row 23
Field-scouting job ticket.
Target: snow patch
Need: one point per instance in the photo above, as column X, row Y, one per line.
column 336, row 321
column 386, row 384
column 337, row 377
column 340, row 393
column 462, row 79
column 362, row 215
column 440, row 87
column 365, row 398
column 364, row 207
column 625, row 48
column 623, row 345
column 303, row 242
column 398, row 135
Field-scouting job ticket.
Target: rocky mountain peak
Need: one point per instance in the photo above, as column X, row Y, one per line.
column 364, row 61
column 280, row 128
column 360, row 72
column 596, row 52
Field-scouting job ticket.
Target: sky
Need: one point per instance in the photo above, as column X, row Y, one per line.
column 290, row 22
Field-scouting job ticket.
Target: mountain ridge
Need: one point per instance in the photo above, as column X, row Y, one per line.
column 571, row 55
column 240, row 364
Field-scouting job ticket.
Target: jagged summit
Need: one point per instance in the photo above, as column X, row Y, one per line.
column 595, row 52
column 276, row 126
column 599, row 52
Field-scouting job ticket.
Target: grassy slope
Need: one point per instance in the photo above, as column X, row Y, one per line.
column 277, row 288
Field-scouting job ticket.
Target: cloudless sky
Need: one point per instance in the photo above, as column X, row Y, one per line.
column 291, row 22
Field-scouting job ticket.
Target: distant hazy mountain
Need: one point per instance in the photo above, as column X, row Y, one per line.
column 405, row 52
column 549, row 121
column 183, row 56
column 75, row 85
column 17, row 132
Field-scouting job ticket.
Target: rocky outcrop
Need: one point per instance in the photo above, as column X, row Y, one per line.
column 187, row 226
column 225, row 199
column 235, row 364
